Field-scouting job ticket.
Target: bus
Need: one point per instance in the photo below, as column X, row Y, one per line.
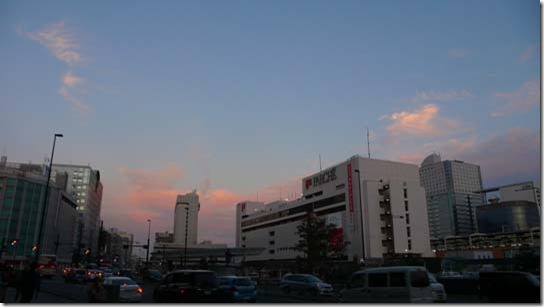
column 47, row 265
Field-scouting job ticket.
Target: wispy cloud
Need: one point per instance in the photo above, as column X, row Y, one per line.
column 527, row 54
column 423, row 122
column 457, row 53
column 437, row 96
column 520, row 100
column 60, row 42
column 71, row 89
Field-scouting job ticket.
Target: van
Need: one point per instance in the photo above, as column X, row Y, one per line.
column 401, row 284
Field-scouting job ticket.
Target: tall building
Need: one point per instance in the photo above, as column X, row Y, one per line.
column 243, row 210
column 186, row 218
column 451, row 189
column 22, row 192
column 114, row 246
column 85, row 187
column 377, row 206
column 509, row 216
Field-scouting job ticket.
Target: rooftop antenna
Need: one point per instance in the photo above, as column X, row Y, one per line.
column 320, row 162
column 368, row 141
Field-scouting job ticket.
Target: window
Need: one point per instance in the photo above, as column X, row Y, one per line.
column 243, row 238
column 271, row 242
column 407, row 218
column 419, row 279
column 405, row 193
column 397, row 279
column 405, row 205
column 408, row 231
column 409, row 245
column 340, row 186
column 377, row 280
column 271, row 233
column 271, row 251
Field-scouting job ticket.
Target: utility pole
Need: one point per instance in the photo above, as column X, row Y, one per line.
column 368, row 141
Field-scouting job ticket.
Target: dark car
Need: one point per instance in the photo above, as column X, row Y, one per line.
column 509, row 287
column 238, row 289
column 77, row 276
column 305, row 283
column 126, row 273
column 154, row 275
column 189, row 286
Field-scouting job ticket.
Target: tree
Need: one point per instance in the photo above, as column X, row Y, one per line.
column 318, row 241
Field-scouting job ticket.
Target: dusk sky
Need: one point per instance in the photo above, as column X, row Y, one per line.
column 238, row 98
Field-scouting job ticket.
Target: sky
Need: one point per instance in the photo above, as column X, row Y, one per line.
column 237, row 99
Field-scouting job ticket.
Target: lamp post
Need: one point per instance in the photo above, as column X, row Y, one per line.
column 148, row 235
column 44, row 209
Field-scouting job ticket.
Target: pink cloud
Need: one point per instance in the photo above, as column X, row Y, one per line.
column 520, row 100
column 424, row 122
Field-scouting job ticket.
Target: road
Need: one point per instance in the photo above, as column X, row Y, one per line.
column 57, row 291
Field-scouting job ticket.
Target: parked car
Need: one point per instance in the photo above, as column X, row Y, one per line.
column 238, row 289
column 509, row 287
column 401, row 284
column 129, row 290
column 439, row 294
column 305, row 283
column 188, row 286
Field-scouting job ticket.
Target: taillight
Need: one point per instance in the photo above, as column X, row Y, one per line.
column 181, row 291
column 52, row 266
column 140, row 290
column 42, row 266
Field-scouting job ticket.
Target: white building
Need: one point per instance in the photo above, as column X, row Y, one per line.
column 186, row 218
column 378, row 205
column 528, row 191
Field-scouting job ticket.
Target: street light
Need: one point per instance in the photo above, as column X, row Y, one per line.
column 148, row 235
column 45, row 198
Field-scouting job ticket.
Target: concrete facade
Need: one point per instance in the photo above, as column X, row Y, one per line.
column 379, row 207
column 186, row 218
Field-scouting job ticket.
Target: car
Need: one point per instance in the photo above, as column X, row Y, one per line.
column 155, row 275
column 94, row 273
column 450, row 274
column 129, row 290
column 77, row 276
column 107, row 273
column 190, row 286
column 509, row 287
column 439, row 293
column 397, row 284
column 126, row 273
column 471, row 275
column 238, row 289
column 67, row 271
column 305, row 283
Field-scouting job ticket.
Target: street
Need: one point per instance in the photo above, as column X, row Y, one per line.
column 58, row 291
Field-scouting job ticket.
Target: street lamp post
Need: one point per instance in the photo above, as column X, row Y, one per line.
column 44, row 209
column 148, row 235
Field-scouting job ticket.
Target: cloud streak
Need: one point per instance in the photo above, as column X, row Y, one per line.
column 436, row 96
column 59, row 41
column 72, row 89
column 457, row 53
column 520, row 100
column 423, row 122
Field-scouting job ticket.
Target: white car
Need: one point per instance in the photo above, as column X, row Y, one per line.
column 129, row 290
column 439, row 294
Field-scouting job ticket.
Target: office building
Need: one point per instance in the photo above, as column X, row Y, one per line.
column 186, row 218
column 22, row 192
column 85, row 187
column 507, row 216
column 451, row 189
column 377, row 206
column 115, row 243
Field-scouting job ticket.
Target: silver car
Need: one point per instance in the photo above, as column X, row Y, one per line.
column 305, row 283
column 129, row 290
column 439, row 294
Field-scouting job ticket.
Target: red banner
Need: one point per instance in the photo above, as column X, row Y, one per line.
column 336, row 237
column 350, row 191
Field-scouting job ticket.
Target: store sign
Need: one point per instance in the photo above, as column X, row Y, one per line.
column 320, row 179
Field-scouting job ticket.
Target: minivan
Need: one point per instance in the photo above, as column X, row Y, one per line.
column 400, row 284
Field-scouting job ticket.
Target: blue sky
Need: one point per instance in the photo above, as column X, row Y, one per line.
column 239, row 97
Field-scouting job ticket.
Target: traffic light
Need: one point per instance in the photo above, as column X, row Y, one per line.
column 88, row 251
column 14, row 242
column 35, row 247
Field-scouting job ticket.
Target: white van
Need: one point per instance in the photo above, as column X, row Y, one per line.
column 400, row 284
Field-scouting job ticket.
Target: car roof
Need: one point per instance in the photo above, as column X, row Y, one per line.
column 192, row 271
column 392, row 269
column 118, row 277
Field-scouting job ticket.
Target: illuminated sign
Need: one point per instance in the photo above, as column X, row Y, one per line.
column 320, row 179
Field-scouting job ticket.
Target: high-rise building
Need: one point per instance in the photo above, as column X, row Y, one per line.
column 186, row 218
column 22, row 192
column 451, row 189
column 115, row 250
column 85, row 187
column 377, row 206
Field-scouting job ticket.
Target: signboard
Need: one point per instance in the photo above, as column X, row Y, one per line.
column 336, row 236
column 321, row 178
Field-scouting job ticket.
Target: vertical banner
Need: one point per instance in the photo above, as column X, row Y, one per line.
column 336, row 238
column 350, row 191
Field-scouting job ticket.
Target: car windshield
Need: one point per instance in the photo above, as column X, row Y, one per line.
column 312, row 278
column 534, row 279
column 123, row 281
column 225, row 281
column 432, row 279
column 242, row 282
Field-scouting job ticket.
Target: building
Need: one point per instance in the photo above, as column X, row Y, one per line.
column 377, row 206
column 451, row 189
column 22, row 192
column 163, row 237
column 186, row 218
column 528, row 191
column 508, row 216
column 243, row 209
column 85, row 187
column 118, row 246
